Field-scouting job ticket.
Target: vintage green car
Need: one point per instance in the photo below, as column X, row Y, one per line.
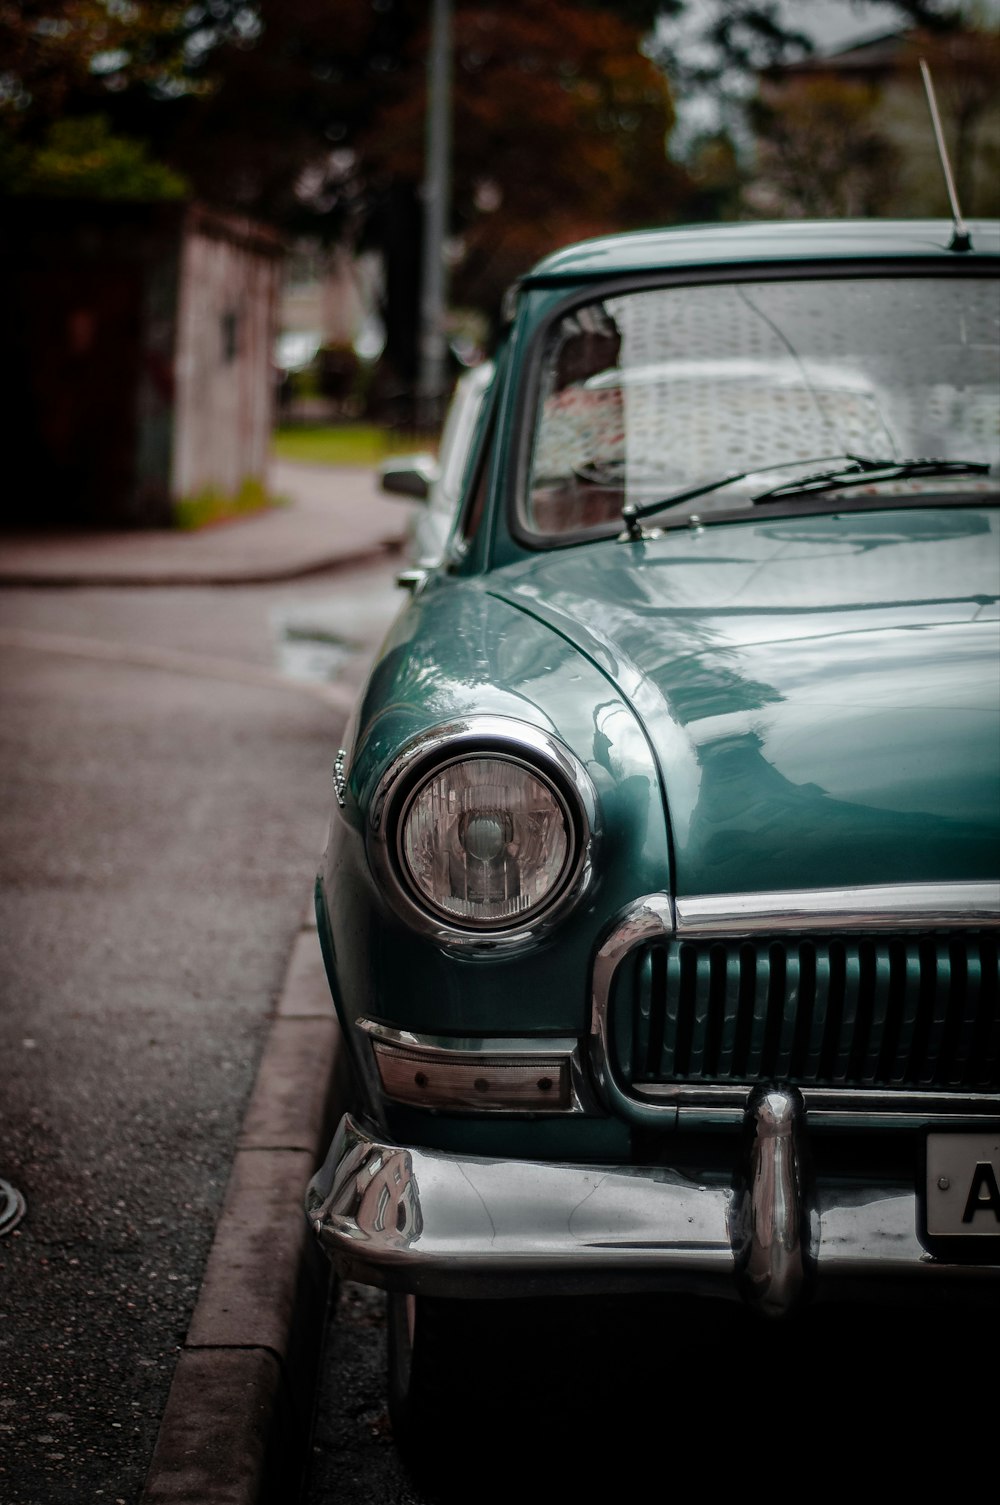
column 661, row 897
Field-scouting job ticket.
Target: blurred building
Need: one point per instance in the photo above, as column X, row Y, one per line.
column 137, row 372
column 849, row 131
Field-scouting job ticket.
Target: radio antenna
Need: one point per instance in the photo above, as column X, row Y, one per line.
column 960, row 238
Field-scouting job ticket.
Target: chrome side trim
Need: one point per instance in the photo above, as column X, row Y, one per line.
column 410, row 1219
column 904, row 906
column 529, row 1057
column 538, row 750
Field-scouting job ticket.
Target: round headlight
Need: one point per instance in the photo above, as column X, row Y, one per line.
column 486, row 842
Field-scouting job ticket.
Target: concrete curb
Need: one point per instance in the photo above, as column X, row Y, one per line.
column 180, row 579
column 237, row 1418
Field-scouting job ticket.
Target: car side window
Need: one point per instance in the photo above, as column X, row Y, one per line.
column 471, row 514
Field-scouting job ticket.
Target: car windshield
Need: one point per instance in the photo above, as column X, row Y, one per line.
column 648, row 393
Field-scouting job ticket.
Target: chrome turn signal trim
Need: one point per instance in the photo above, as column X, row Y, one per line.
column 483, row 1076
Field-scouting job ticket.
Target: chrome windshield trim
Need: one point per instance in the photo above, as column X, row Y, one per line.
column 904, row 906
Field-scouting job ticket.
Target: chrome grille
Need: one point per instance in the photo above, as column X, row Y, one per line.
column 913, row 1014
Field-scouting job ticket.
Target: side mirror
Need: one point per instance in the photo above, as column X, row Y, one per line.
column 411, row 476
column 412, row 580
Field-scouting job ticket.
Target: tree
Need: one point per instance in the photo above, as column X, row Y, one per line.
column 965, row 65
column 713, row 53
column 317, row 125
column 821, row 151
column 309, row 114
column 560, row 132
column 81, row 157
column 851, row 134
column 71, row 72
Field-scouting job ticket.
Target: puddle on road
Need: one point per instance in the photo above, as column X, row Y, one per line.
column 332, row 638
column 305, row 657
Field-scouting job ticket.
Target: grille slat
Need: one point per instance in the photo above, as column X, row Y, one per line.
column 848, row 973
column 879, row 1017
column 838, row 1011
column 696, row 1065
column 944, row 1023
column 909, row 1019
column 730, row 1014
column 989, row 1016
column 642, row 1014
column 977, row 1011
column 674, row 994
column 761, row 999
column 789, row 1014
column 820, row 1009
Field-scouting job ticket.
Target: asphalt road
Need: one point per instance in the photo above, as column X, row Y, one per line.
column 166, row 770
column 167, row 776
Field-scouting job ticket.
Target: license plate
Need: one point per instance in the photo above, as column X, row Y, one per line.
column 962, row 1199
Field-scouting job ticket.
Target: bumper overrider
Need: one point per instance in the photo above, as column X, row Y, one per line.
column 768, row 1231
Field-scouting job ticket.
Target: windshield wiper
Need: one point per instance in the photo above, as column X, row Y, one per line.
column 869, row 472
column 633, row 512
column 859, row 470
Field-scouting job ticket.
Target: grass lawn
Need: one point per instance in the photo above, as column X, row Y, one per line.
column 346, row 443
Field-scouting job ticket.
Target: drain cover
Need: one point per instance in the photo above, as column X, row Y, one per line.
column 12, row 1207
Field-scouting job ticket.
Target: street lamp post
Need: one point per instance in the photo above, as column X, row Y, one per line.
column 437, row 195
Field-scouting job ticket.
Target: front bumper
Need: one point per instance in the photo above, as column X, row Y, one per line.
column 448, row 1225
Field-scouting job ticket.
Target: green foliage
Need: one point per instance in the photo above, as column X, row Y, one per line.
column 66, row 56
column 214, row 506
column 346, row 444
column 83, row 158
column 559, row 126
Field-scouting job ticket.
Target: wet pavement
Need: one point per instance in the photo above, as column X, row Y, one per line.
column 166, row 753
column 330, row 518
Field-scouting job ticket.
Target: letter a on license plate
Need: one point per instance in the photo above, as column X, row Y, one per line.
column 962, row 1193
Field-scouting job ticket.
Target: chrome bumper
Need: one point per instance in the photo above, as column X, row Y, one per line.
column 447, row 1225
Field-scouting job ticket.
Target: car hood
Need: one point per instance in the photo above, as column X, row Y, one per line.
column 820, row 693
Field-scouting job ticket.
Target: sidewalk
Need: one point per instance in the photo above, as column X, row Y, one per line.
column 335, row 518
column 235, row 1425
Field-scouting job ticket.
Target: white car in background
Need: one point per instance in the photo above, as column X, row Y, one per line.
column 437, row 480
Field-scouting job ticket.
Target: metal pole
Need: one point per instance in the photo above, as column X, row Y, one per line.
column 960, row 237
column 437, row 196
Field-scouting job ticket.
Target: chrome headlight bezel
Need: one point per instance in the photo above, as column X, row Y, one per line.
column 531, row 748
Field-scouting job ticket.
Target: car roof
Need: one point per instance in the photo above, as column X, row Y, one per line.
column 645, row 251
